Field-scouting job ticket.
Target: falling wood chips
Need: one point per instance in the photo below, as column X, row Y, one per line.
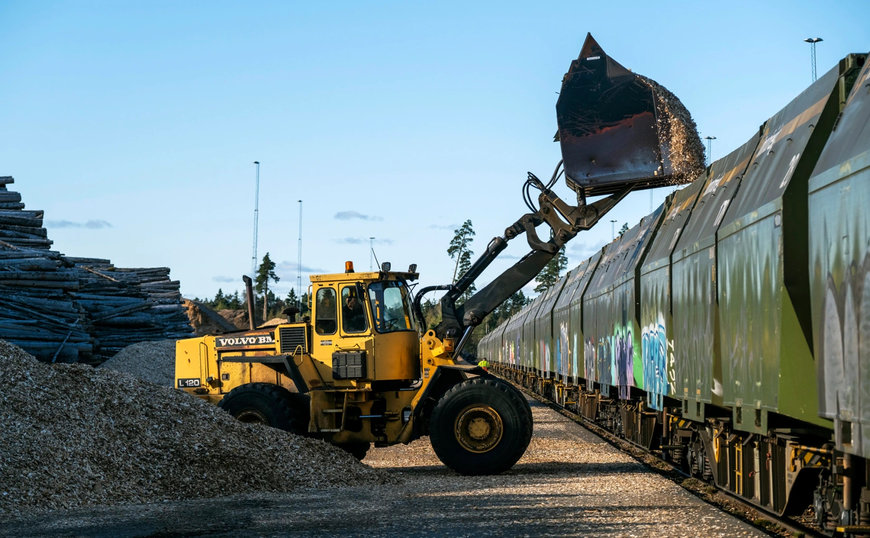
column 678, row 134
column 72, row 435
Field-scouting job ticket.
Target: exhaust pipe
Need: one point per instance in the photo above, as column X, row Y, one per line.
column 249, row 298
column 617, row 128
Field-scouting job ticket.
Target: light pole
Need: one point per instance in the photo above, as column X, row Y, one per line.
column 710, row 140
column 613, row 229
column 371, row 252
column 812, row 41
column 299, row 263
column 256, row 219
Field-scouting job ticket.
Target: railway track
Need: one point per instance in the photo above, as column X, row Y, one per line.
column 722, row 499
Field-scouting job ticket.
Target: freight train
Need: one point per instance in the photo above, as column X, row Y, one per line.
column 729, row 330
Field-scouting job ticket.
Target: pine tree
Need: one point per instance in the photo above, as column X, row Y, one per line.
column 303, row 308
column 291, row 299
column 220, row 300
column 623, row 229
column 551, row 272
column 431, row 312
column 459, row 250
column 265, row 273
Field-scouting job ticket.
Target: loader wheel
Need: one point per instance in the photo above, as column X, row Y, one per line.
column 357, row 450
column 481, row 426
column 262, row 403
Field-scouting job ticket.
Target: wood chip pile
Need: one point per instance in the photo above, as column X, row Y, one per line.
column 65, row 309
column 149, row 361
column 72, row 435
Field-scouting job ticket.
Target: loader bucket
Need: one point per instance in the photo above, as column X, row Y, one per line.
column 618, row 128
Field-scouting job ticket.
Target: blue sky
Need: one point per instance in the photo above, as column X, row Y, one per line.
column 135, row 125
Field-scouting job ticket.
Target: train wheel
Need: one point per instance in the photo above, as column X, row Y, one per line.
column 481, row 426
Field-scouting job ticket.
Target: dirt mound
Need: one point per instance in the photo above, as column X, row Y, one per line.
column 150, row 361
column 274, row 322
column 205, row 321
column 76, row 436
column 237, row 318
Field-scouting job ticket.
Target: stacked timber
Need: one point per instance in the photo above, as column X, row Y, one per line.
column 129, row 305
column 63, row 309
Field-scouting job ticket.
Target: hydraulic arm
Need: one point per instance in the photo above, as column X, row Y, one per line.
column 564, row 222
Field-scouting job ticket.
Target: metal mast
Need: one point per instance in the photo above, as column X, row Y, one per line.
column 256, row 220
column 299, row 262
column 812, row 41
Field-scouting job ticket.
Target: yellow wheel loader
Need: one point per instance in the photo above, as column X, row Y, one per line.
column 363, row 369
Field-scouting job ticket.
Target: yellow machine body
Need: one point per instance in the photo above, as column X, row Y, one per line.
column 364, row 383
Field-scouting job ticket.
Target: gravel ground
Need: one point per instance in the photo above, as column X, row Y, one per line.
column 569, row 483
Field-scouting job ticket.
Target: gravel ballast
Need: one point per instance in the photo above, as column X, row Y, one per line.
column 72, row 435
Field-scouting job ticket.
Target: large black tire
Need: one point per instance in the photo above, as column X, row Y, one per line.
column 357, row 449
column 263, row 403
column 481, row 426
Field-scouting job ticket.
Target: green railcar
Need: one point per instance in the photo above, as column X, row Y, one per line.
column 839, row 264
column 695, row 313
column 656, row 319
column 610, row 323
column 565, row 348
column 767, row 364
column 545, row 338
column 595, row 319
column 583, row 356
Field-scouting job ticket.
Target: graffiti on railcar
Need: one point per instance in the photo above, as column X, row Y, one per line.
column 845, row 394
column 659, row 375
column 623, row 356
column 563, row 349
column 603, row 353
column 574, row 363
column 589, row 359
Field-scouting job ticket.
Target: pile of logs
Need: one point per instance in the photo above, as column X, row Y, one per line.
column 65, row 309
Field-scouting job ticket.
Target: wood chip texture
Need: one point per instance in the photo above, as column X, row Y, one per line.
column 72, row 435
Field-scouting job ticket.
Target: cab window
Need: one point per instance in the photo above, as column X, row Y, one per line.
column 353, row 314
column 326, row 316
column 390, row 307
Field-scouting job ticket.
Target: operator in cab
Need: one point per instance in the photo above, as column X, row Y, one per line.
column 353, row 314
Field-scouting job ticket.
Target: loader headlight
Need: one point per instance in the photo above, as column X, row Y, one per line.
column 406, row 415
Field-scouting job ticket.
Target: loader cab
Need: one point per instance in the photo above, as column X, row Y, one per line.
column 341, row 310
column 366, row 316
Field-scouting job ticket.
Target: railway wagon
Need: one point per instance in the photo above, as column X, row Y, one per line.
column 568, row 324
column 748, row 307
column 611, row 329
column 839, row 265
column 656, row 321
column 547, row 344
column 566, row 356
